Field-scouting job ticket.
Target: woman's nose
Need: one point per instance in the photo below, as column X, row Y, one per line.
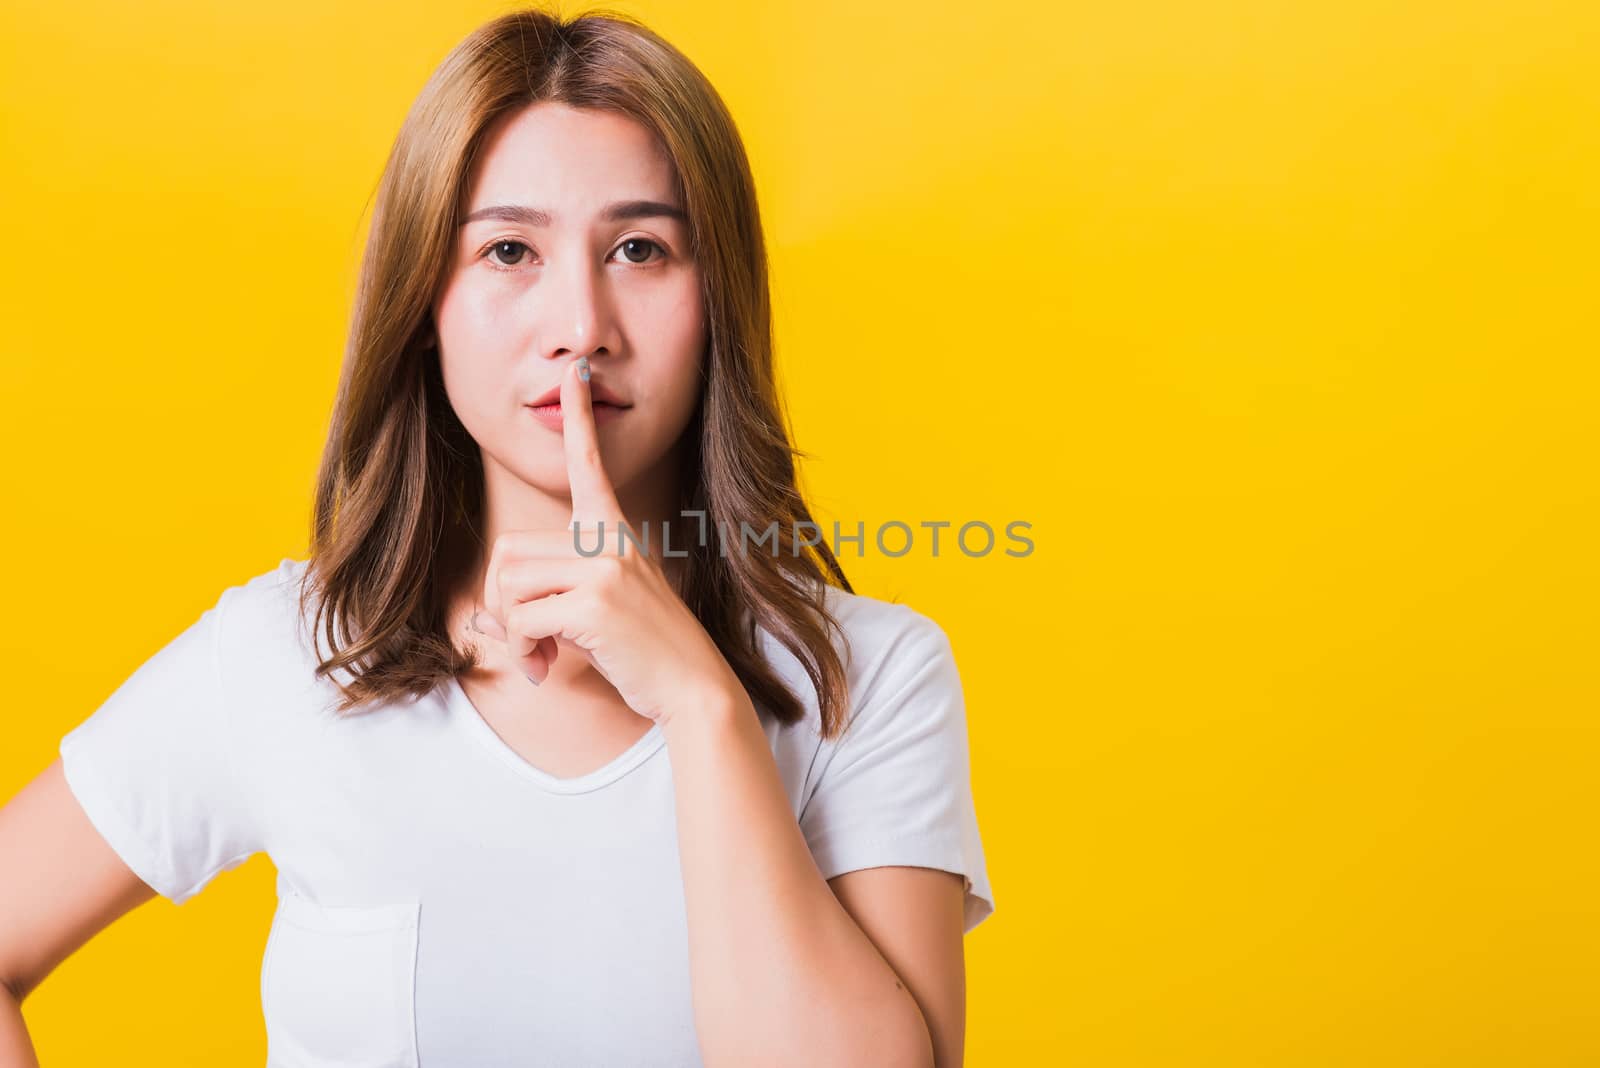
column 574, row 308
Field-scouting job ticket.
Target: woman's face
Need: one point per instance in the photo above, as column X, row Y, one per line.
column 567, row 253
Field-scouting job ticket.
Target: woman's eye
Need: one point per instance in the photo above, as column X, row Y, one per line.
column 493, row 249
column 503, row 255
column 634, row 244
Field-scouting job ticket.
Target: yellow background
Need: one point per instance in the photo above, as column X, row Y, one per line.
column 1276, row 320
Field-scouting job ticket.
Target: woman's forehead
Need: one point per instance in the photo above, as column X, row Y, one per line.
column 570, row 163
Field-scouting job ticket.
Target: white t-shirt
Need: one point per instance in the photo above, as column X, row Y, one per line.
column 441, row 901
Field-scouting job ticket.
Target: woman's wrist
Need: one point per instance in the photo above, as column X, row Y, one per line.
column 707, row 708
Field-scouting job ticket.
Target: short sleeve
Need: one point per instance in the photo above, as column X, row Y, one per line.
column 895, row 788
column 152, row 767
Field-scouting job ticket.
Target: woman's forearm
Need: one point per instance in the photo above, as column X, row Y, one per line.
column 16, row 1048
column 781, row 974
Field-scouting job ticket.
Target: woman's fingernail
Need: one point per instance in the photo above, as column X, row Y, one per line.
column 583, row 368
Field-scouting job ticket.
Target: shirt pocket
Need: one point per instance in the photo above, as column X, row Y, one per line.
column 338, row 985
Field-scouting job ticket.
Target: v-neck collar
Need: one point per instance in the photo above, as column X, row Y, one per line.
column 468, row 719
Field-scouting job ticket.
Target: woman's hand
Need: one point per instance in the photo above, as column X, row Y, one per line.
column 617, row 606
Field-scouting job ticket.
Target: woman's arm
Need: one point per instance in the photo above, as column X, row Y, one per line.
column 782, row 975
column 60, row 884
column 16, row 1049
column 915, row 916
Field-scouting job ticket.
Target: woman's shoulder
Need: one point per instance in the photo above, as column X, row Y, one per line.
column 882, row 643
column 264, row 619
column 262, row 599
column 287, row 571
column 880, row 631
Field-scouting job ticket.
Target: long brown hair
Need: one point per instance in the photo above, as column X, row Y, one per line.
column 400, row 487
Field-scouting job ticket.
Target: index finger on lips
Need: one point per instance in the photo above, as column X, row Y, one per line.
column 593, row 498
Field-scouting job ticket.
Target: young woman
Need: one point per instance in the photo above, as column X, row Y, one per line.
column 568, row 744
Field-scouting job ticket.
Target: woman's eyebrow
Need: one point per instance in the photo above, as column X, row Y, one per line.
column 616, row 212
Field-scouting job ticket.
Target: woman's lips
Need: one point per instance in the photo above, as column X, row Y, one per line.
column 550, row 414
